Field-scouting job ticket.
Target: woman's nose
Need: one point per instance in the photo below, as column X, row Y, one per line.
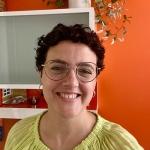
column 71, row 79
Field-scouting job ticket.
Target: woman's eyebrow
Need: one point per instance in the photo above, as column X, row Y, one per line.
column 59, row 61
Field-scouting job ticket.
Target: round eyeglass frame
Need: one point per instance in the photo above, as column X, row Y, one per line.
column 97, row 70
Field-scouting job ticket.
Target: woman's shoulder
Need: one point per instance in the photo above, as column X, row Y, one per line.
column 25, row 123
column 114, row 136
column 23, row 132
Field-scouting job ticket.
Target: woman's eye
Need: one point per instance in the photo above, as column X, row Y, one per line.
column 85, row 71
column 57, row 69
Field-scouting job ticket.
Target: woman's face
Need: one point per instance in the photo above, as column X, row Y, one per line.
column 68, row 97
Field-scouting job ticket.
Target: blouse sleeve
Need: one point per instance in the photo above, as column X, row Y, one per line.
column 20, row 135
column 115, row 137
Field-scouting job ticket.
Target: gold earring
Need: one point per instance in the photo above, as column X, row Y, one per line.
column 40, row 86
column 41, row 89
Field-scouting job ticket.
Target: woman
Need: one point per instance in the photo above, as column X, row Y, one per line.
column 69, row 58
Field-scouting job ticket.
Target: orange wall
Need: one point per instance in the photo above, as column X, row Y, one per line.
column 124, row 86
column 29, row 5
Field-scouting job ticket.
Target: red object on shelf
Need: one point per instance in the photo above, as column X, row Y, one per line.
column 38, row 96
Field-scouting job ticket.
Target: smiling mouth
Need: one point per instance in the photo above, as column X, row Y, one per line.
column 69, row 96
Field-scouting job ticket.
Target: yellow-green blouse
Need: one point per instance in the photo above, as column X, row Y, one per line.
column 105, row 135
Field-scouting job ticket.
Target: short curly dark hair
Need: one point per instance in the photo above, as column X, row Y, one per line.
column 77, row 33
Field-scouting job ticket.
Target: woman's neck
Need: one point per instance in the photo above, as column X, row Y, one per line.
column 63, row 130
column 61, row 124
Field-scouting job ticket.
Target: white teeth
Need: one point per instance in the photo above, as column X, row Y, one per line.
column 68, row 96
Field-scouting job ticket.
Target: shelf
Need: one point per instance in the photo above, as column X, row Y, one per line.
column 54, row 11
column 20, row 86
column 48, row 11
column 19, row 113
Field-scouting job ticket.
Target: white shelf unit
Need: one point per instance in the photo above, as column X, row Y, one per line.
column 19, row 31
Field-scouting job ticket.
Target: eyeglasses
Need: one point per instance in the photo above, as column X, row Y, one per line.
column 58, row 70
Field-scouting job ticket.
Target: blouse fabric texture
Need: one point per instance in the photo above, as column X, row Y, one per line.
column 106, row 135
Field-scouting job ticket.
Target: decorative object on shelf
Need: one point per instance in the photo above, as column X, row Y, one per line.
column 111, row 19
column 33, row 101
column 2, row 5
column 58, row 3
column 79, row 3
column 13, row 96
